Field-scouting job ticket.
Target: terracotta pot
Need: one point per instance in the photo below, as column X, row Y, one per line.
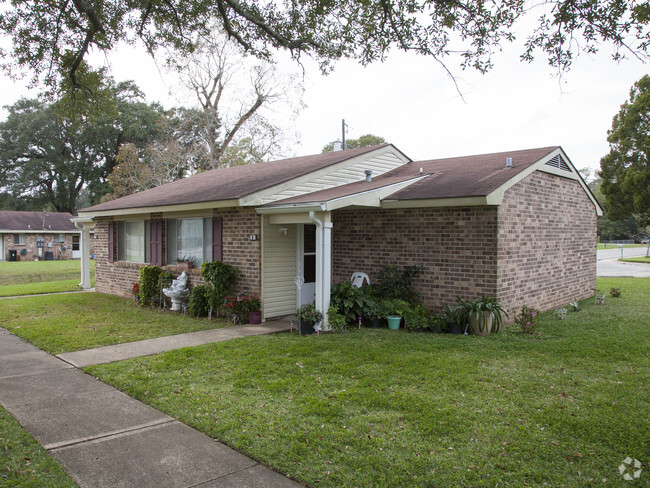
column 185, row 265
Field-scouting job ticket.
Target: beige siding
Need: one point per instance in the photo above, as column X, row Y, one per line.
column 379, row 164
column 278, row 270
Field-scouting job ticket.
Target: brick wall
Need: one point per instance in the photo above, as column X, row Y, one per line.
column 455, row 247
column 546, row 244
column 544, row 247
column 117, row 278
column 239, row 251
column 32, row 249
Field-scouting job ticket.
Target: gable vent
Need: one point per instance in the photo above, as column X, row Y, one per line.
column 559, row 162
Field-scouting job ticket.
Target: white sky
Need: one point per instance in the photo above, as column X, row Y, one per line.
column 412, row 103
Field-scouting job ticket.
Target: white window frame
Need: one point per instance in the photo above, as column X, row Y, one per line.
column 22, row 241
column 123, row 251
column 174, row 240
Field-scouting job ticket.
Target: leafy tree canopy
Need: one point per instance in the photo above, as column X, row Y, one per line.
column 363, row 141
column 625, row 171
column 50, row 152
column 51, row 38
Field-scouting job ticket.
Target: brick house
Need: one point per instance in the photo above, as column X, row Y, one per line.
column 519, row 226
column 38, row 235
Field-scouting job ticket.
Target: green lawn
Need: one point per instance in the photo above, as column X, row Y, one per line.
column 384, row 408
column 72, row 322
column 23, row 462
column 615, row 246
column 642, row 259
column 33, row 277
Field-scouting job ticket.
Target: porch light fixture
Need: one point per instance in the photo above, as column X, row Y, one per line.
column 284, row 231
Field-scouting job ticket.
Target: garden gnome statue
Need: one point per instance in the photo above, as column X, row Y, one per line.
column 177, row 292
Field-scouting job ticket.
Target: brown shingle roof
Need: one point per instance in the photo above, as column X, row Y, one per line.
column 469, row 176
column 33, row 221
column 230, row 183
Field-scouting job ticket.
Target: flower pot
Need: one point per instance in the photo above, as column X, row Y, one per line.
column 255, row 317
column 393, row 321
column 454, row 328
column 481, row 323
column 305, row 328
column 185, row 265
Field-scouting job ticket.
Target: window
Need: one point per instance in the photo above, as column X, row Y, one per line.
column 59, row 239
column 189, row 238
column 19, row 239
column 75, row 243
column 133, row 241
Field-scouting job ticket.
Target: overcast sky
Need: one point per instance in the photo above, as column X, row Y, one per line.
column 412, row 102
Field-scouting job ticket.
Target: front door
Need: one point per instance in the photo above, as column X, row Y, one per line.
column 76, row 252
column 307, row 263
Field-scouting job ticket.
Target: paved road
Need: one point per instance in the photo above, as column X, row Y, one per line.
column 609, row 265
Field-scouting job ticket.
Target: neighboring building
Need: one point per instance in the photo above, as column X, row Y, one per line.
column 26, row 236
column 519, row 226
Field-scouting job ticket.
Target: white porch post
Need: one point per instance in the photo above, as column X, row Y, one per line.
column 323, row 262
column 85, row 225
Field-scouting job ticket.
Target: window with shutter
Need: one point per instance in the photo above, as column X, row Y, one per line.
column 217, row 247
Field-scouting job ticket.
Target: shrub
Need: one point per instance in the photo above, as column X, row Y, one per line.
column 526, row 319
column 238, row 309
column 614, row 292
column 336, row 320
column 199, row 301
column 164, row 281
column 559, row 313
column 395, row 284
column 148, row 291
column 349, row 300
column 221, row 280
column 416, row 318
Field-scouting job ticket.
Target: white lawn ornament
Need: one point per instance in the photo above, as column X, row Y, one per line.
column 178, row 291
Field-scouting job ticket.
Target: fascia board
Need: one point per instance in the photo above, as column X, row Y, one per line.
column 368, row 198
column 435, row 202
column 185, row 207
column 255, row 199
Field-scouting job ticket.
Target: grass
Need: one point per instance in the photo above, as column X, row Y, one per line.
column 642, row 259
column 615, row 246
column 33, row 277
column 23, row 462
column 72, row 322
column 563, row 407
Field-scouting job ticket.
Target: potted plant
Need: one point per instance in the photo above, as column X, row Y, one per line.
column 308, row 315
column 372, row 312
column 396, row 309
column 483, row 314
column 453, row 319
column 185, row 262
column 254, row 309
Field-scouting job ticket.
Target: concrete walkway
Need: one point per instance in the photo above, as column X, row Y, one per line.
column 104, row 438
column 119, row 352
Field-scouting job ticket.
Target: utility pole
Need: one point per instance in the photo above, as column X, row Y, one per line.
column 343, row 128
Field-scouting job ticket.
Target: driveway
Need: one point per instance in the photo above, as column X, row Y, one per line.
column 609, row 265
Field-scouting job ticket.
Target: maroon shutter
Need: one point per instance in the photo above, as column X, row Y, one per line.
column 155, row 242
column 111, row 241
column 217, row 247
